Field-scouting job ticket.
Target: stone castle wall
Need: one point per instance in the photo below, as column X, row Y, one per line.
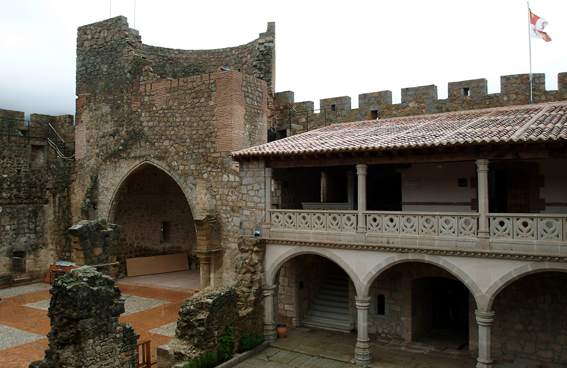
column 297, row 117
column 186, row 127
column 34, row 201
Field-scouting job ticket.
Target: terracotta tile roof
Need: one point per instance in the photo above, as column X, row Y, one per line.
column 514, row 124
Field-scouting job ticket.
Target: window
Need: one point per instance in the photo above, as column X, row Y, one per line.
column 18, row 262
column 333, row 107
column 165, row 232
column 466, row 92
column 381, row 305
column 374, row 114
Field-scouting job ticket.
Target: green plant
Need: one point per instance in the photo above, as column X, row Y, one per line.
column 249, row 341
column 208, row 359
column 226, row 344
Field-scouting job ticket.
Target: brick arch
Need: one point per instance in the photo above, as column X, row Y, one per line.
column 455, row 271
column 518, row 273
column 276, row 265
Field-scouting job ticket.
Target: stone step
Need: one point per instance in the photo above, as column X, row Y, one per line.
column 331, row 315
column 332, row 303
column 333, row 293
column 341, row 309
column 328, row 324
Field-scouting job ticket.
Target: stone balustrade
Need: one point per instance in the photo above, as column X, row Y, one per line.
column 516, row 232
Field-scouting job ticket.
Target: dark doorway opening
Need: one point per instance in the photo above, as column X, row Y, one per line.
column 440, row 312
column 384, row 188
column 514, row 187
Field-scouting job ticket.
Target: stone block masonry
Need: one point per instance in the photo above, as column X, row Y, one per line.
column 85, row 332
column 34, row 201
column 297, row 117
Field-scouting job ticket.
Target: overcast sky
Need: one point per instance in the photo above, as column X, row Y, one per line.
column 324, row 48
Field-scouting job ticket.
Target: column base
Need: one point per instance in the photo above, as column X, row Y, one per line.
column 484, row 364
column 362, row 353
column 269, row 333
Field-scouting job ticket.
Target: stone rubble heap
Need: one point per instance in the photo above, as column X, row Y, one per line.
column 85, row 332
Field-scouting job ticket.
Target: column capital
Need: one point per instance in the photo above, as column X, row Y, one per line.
column 362, row 302
column 484, row 318
column 268, row 290
column 361, row 169
column 482, row 164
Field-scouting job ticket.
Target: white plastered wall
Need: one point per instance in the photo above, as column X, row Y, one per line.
column 434, row 187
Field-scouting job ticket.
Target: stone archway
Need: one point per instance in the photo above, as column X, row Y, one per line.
column 529, row 306
column 154, row 215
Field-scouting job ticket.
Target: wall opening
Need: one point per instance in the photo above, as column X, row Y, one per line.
column 155, row 220
column 529, row 323
column 18, row 261
column 466, row 92
column 314, row 292
column 374, row 114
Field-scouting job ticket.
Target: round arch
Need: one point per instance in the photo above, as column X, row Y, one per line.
column 394, row 260
column 133, row 169
column 273, row 268
column 518, row 273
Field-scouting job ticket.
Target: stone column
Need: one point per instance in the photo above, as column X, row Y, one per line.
column 482, row 187
column 269, row 323
column 484, row 321
column 362, row 348
column 204, row 270
column 268, row 197
column 361, row 170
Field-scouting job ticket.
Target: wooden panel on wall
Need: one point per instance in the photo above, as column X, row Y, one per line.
column 156, row 264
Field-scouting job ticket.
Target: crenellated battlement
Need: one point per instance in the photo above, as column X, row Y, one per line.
column 297, row 117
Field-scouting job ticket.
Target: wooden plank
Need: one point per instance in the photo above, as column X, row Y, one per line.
column 156, row 264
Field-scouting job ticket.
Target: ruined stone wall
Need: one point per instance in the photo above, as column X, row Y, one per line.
column 186, row 127
column 255, row 58
column 34, row 202
column 85, row 332
column 530, row 320
column 296, row 117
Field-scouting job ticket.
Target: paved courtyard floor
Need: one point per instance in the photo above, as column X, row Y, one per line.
column 310, row 348
column 151, row 310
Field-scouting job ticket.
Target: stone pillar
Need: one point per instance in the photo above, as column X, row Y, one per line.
column 482, row 186
column 268, row 197
column 484, row 321
column 361, row 170
column 204, row 270
column 269, row 323
column 362, row 348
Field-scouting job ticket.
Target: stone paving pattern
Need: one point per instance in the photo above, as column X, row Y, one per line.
column 22, row 323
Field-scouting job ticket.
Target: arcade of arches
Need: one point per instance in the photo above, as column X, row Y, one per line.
column 154, row 216
column 424, row 306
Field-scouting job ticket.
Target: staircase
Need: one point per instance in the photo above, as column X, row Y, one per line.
column 330, row 308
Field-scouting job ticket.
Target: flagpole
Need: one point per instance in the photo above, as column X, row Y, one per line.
column 530, row 51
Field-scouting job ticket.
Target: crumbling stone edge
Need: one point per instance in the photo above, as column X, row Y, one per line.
column 237, row 358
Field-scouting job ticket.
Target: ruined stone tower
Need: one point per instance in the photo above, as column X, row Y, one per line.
column 154, row 131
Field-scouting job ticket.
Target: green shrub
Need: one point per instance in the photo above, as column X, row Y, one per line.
column 226, row 345
column 211, row 359
column 249, row 341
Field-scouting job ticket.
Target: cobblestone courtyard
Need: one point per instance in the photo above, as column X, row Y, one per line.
column 24, row 323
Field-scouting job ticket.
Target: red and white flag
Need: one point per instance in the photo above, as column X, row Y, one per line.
column 537, row 25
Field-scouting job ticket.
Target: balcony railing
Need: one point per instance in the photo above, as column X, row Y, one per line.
column 507, row 231
column 522, row 226
column 333, row 221
column 454, row 225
